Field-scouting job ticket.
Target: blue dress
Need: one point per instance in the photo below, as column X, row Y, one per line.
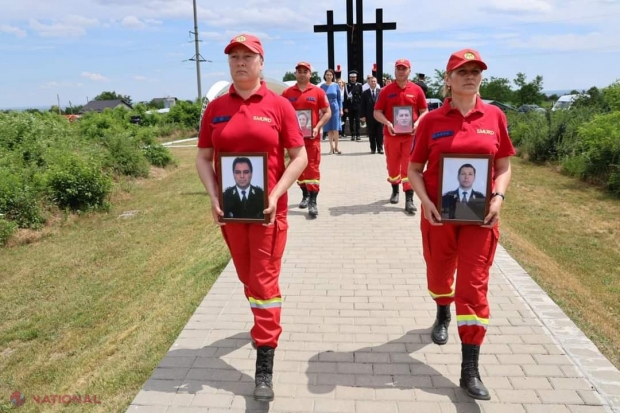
column 335, row 104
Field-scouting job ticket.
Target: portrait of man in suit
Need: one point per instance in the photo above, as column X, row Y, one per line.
column 243, row 200
column 464, row 203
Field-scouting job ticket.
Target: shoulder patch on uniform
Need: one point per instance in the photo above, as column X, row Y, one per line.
column 392, row 95
column 292, row 99
column 485, row 131
column 442, row 134
column 311, row 99
column 220, row 119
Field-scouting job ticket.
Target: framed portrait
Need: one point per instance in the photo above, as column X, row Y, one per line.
column 403, row 119
column 243, row 187
column 304, row 118
column 464, row 188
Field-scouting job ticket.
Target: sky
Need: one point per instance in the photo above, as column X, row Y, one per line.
column 72, row 50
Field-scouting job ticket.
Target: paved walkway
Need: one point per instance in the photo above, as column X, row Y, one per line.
column 357, row 318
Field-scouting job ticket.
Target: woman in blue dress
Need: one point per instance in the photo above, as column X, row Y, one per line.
column 334, row 96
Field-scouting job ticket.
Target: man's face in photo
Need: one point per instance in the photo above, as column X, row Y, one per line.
column 403, row 117
column 243, row 175
column 467, row 176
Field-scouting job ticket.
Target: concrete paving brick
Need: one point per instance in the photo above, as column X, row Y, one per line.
column 356, row 325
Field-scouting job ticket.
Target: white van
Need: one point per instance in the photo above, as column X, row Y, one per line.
column 565, row 102
column 433, row 103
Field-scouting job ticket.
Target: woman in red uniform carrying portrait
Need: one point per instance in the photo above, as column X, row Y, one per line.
column 251, row 118
column 463, row 125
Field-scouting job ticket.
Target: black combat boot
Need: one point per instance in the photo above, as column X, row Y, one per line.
column 439, row 335
column 263, row 392
column 470, row 377
column 304, row 201
column 394, row 196
column 312, row 209
column 409, row 205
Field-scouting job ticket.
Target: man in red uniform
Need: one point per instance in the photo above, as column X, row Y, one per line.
column 304, row 95
column 403, row 96
column 251, row 118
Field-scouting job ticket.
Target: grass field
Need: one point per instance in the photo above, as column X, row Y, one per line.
column 566, row 234
column 91, row 306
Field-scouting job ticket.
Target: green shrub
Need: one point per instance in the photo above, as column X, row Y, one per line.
column 125, row 156
column 75, row 185
column 20, row 202
column 530, row 133
column 158, row 155
column 613, row 182
column 611, row 95
column 7, row 228
column 186, row 114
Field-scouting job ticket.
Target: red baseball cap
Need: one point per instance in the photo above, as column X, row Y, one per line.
column 247, row 40
column 458, row 59
column 304, row 64
column 403, row 62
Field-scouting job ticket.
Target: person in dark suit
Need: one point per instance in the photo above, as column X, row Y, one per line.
column 352, row 104
column 373, row 127
column 243, row 200
column 464, row 203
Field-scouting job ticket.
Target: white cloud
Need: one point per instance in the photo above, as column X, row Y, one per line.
column 566, row 42
column 5, row 28
column 56, row 29
column 132, row 22
column 94, row 76
column 140, row 78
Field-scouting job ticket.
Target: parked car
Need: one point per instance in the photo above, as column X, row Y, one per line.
column 434, row 103
column 531, row 108
column 565, row 102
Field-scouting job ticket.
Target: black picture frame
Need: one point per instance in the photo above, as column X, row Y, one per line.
column 401, row 128
column 306, row 126
column 455, row 170
column 231, row 197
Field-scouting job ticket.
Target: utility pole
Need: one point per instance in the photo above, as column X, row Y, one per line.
column 58, row 99
column 197, row 56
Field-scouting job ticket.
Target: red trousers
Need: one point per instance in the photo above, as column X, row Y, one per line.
column 256, row 252
column 310, row 178
column 468, row 250
column 397, row 149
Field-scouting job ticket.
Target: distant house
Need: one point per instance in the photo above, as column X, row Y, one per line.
column 166, row 102
column 101, row 105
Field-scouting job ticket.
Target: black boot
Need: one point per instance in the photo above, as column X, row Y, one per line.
column 312, row 209
column 394, row 197
column 470, row 377
column 409, row 205
column 439, row 335
column 263, row 392
column 304, row 201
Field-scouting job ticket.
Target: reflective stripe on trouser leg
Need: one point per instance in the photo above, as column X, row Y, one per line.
column 257, row 251
column 439, row 248
column 391, row 145
column 311, row 176
column 405, row 150
column 476, row 250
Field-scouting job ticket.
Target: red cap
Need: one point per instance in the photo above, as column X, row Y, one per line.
column 304, row 64
column 403, row 62
column 247, row 40
column 458, row 59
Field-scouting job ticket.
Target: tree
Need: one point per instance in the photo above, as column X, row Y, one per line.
column 113, row 96
column 496, row 88
column 611, row 95
column 289, row 76
column 528, row 92
column 435, row 84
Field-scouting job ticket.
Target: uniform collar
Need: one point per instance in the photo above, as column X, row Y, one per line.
column 296, row 86
column 447, row 107
column 261, row 91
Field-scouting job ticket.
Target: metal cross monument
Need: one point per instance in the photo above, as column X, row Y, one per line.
column 355, row 37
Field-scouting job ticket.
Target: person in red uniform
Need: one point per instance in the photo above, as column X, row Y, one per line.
column 463, row 125
column 304, row 95
column 408, row 98
column 251, row 118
